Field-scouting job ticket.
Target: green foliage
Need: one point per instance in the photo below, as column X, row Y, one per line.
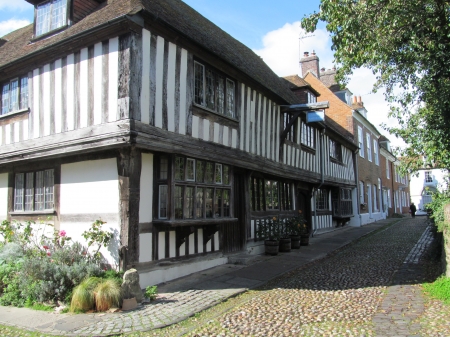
column 269, row 229
column 107, row 295
column 96, row 237
column 407, row 46
column 151, row 292
column 440, row 199
column 297, row 225
column 439, row 289
column 83, row 295
column 38, row 306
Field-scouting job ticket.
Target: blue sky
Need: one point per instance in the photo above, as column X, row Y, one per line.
column 270, row 28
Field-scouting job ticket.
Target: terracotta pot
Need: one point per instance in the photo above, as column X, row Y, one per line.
column 272, row 247
column 295, row 241
column 285, row 245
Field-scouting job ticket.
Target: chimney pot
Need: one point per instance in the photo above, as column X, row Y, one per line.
column 322, row 69
column 306, row 54
column 313, row 53
column 359, row 99
column 354, row 99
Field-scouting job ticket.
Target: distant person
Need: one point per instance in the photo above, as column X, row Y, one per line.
column 413, row 210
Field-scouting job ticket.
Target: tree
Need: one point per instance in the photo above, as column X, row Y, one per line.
column 407, row 46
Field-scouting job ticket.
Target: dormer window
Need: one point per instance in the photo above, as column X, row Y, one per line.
column 50, row 15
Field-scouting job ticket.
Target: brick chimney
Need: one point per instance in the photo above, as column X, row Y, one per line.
column 310, row 63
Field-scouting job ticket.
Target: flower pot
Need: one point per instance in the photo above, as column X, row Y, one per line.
column 272, row 247
column 304, row 239
column 295, row 241
column 285, row 245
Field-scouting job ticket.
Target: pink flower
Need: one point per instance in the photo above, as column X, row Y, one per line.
column 45, row 247
column 49, row 254
column 62, row 233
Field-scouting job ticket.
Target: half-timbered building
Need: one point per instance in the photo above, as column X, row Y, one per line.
column 148, row 116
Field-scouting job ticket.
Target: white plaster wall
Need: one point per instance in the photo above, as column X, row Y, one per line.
column 90, row 191
column 3, row 196
column 146, row 200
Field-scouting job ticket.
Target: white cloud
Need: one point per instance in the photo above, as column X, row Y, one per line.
column 12, row 24
column 282, row 52
column 15, row 5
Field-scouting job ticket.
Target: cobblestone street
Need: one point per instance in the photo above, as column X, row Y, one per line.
column 348, row 294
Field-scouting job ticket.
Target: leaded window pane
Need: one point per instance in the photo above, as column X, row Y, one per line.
column 14, row 95
column 226, row 203
column 218, row 175
column 19, row 192
column 179, row 202
column 199, row 203
column 230, row 98
column 218, row 204
column 199, row 70
column 200, row 171
column 29, row 191
column 179, row 168
column 226, row 175
column 220, row 95
column 59, row 10
column 43, row 18
column 210, row 94
column 163, row 197
column 39, row 191
column 48, row 189
column 163, row 168
column 24, row 93
column 189, row 200
column 209, row 172
column 190, row 169
column 5, row 99
column 209, row 202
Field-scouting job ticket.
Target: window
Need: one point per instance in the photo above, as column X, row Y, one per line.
column 360, row 142
column 322, row 200
column 214, row 91
column 308, row 135
column 375, row 152
column 361, row 192
column 311, row 97
column 389, row 198
column 291, row 135
column 375, row 203
column 388, row 174
column 335, row 150
column 50, row 15
column 33, row 191
column 428, row 177
column 369, row 147
column 14, row 95
column 202, row 189
column 267, row 195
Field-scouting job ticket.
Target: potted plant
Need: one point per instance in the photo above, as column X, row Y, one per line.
column 296, row 228
column 269, row 231
column 285, row 238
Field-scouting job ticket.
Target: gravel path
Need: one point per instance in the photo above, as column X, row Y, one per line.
column 348, row 294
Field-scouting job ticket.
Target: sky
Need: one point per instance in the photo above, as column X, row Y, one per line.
column 270, row 28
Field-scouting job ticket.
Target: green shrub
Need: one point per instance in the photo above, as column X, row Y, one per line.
column 83, row 295
column 11, row 252
column 107, row 295
column 151, row 292
column 439, row 289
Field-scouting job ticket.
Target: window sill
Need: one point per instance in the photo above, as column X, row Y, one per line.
column 48, row 34
column 194, row 222
column 45, row 212
column 201, row 111
column 336, row 161
column 15, row 113
column 308, row 149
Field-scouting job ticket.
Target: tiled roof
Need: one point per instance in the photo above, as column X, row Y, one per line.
column 174, row 13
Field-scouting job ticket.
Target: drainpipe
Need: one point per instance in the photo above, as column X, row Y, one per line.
column 322, row 172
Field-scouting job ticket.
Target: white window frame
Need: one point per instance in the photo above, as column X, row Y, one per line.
column 375, row 198
column 375, row 152
column 311, row 97
column 361, row 192
column 428, row 176
column 21, row 95
column 361, row 141
column 308, row 135
column 56, row 7
column 389, row 198
column 369, row 147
